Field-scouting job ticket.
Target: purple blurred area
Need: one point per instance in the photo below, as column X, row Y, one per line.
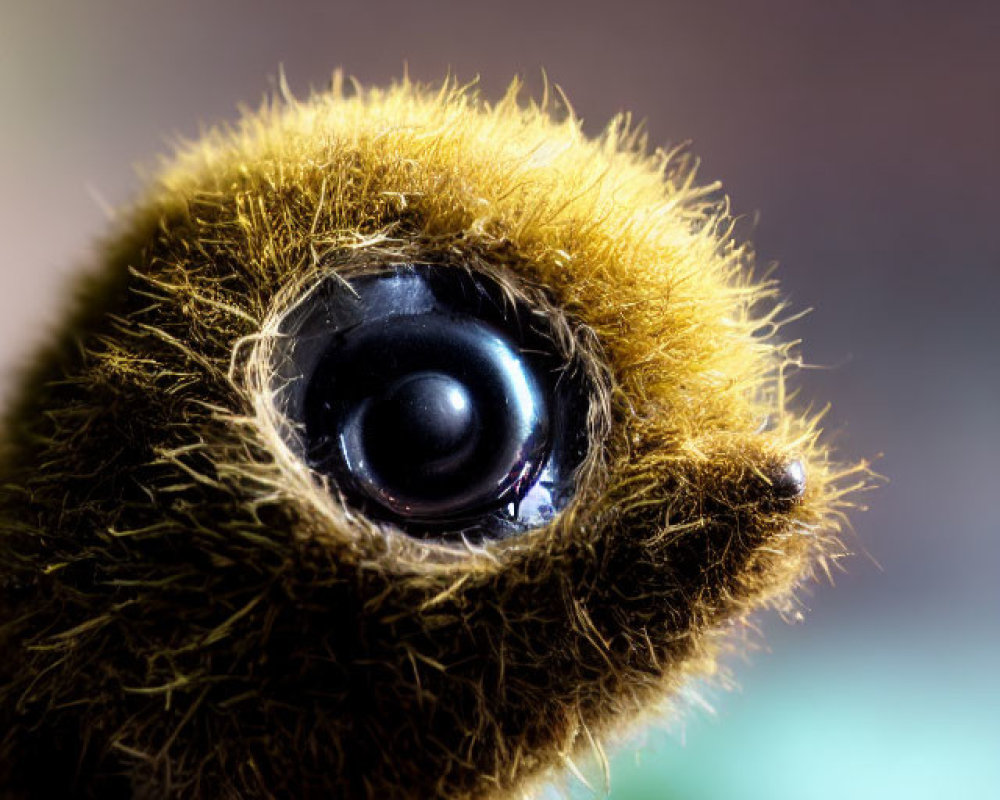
column 863, row 138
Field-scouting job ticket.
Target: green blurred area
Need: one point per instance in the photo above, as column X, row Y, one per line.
column 830, row 725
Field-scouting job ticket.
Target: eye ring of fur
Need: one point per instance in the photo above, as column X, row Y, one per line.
column 258, row 360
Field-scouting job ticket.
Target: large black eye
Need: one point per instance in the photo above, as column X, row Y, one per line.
column 435, row 400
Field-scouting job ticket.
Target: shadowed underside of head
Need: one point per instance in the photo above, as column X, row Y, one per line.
column 191, row 609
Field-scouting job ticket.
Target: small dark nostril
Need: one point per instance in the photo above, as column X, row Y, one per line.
column 791, row 481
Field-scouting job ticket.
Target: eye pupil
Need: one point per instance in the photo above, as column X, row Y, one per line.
column 435, row 416
column 424, row 426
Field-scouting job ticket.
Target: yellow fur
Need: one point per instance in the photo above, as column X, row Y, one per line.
column 479, row 666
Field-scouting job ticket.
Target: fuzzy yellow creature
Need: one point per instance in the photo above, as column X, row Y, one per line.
column 401, row 446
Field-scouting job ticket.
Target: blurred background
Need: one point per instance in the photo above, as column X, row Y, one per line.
column 863, row 138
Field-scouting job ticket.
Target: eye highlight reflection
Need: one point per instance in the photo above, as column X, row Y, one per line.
column 434, row 401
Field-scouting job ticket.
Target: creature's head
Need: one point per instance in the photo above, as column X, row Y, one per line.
column 401, row 446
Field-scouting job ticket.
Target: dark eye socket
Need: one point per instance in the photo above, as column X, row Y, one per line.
column 434, row 400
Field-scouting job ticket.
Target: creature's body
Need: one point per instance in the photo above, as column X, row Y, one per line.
column 189, row 609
